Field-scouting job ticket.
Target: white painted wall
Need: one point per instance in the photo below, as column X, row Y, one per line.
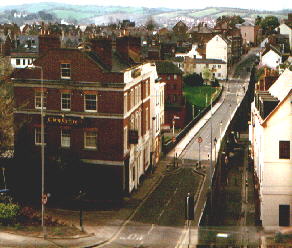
column 285, row 29
column 220, row 73
column 271, row 59
column 24, row 62
column 275, row 175
column 217, row 49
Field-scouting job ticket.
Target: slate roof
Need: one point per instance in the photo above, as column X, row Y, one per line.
column 209, row 61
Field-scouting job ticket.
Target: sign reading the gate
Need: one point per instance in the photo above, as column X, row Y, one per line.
column 56, row 120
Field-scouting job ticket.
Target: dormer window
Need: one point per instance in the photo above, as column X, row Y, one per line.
column 65, row 71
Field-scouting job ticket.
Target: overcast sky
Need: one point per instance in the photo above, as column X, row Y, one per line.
column 185, row 4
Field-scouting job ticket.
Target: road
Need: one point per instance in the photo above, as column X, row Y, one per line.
column 159, row 220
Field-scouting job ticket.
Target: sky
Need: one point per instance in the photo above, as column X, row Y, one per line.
column 181, row 4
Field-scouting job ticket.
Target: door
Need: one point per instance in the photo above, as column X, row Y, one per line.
column 284, row 215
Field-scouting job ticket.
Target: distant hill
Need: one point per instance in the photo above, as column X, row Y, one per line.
column 86, row 14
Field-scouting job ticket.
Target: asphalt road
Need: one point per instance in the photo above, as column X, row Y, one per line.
column 159, row 222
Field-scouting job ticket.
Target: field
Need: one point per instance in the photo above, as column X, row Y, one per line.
column 196, row 95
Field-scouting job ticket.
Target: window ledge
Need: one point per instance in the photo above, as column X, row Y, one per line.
column 89, row 149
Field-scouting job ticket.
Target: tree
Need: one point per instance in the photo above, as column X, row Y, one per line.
column 269, row 23
column 207, row 74
column 231, row 20
column 193, row 79
column 151, row 24
column 6, row 106
column 258, row 20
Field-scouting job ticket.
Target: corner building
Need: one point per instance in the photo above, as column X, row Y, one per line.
column 96, row 106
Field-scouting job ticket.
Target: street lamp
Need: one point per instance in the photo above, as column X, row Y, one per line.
column 42, row 150
column 215, row 142
column 173, row 137
column 230, row 111
column 221, row 130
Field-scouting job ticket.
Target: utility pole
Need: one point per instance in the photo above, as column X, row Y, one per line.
column 211, row 169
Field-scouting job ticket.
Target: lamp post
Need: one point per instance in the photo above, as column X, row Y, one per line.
column 173, row 137
column 211, row 169
column 221, row 130
column 230, row 111
column 42, row 151
column 215, row 142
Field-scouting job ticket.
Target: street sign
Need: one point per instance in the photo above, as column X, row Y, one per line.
column 176, row 117
column 200, row 140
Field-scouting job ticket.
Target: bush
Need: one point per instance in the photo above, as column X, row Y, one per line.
column 193, row 79
column 8, row 213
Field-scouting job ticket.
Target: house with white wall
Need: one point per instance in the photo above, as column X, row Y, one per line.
column 271, row 57
column 216, row 66
column 271, row 136
column 286, row 30
column 218, row 48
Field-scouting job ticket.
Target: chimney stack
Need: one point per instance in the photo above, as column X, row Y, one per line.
column 47, row 42
column 129, row 48
column 103, row 48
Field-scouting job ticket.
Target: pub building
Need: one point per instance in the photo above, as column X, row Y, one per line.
column 96, row 103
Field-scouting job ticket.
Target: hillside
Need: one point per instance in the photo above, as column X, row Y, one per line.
column 85, row 14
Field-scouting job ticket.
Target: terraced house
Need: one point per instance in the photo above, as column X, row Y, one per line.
column 96, row 101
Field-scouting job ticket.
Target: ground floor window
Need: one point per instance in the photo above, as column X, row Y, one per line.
column 90, row 139
column 65, row 138
column 38, row 136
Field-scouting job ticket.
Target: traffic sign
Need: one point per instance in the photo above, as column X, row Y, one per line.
column 200, row 140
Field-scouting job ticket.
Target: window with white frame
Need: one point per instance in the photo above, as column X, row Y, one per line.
column 38, row 100
column 90, row 102
column 219, row 66
column 90, row 139
column 131, row 98
column 38, row 136
column 136, row 95
column 65, row 71
column 139, row 124
column 125, row 139
column 17, row 61
column 147, row 119
column 218, row 74
column 125, row 103
column 66, row 101
column 65, row 138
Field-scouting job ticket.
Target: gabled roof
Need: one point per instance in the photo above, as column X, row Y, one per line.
column 282, row 86
column 275, row 109
column 271, row 48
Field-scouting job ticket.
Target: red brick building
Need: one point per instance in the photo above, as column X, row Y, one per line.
column 97, row 106
column 175, row 103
